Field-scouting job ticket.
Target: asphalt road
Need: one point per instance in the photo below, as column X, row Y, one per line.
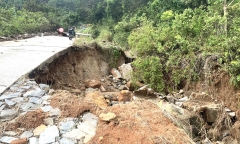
column 20, row 57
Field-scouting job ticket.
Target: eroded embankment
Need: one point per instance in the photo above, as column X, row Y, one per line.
column 69, row 70
column 45, row 115
column 216, row 83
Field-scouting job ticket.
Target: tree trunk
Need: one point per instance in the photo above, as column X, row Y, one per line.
column 225, row 15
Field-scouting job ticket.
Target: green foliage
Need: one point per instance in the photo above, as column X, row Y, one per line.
column 105, row 35
column 169, row 36
column 123, row 29
column 22, row 21
column 150, row 70
column 167, row 15
column 114, row 55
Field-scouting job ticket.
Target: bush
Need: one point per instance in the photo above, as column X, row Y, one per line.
column 105, row 35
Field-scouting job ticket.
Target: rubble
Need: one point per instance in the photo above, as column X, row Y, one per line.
column 107, row 110
column 92, row 84
column 124, row 96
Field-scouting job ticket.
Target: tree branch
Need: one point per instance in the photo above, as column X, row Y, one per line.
column 230, row 3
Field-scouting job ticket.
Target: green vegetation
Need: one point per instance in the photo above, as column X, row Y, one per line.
column 172, row 38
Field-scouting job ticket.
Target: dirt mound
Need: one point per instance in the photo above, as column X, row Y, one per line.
column 71, row 105
column 136, row 124
column 29, row 120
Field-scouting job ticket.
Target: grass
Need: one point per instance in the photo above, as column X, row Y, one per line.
column 83, row 40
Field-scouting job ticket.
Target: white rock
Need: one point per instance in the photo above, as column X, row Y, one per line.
column 27, row 106
column 183, row 99
column 46, row 103
column 87, row 138
column 181, row 91
column 10, row 133
column 18, row 99
column 75, row 134
column 2, row 107
column 66, row 126
column 26, row 87
column 48, row 121
column 26, row 134
column 1, row 103
column 88, row 127
column 179, row 104
column 31, row 82
column 7, row 139
column 49, row 135
column 46, row 108
column 34, row 93
column 12, row 95
column 227, row 110
column 51, row 91
column 55, row 112
column 9, row 102
column 44, row 87
column 35, row 100
column 126, row 71
column 33, row 140
column 7, row 113
column 232, row 114
column 66, row 141
column 46, row 97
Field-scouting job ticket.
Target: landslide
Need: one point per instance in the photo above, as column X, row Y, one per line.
column 70, row 70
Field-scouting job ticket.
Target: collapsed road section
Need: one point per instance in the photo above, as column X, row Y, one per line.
column 21, row 56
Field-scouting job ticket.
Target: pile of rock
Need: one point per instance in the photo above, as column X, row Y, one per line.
column 203, row 112
column 28, row 96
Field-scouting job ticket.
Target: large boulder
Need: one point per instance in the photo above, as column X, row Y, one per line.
column 92, row 84
column 97, row 98
column 124, row 96
column 144, row 92
column 208, row 110
column 187, row 120
column 126, row 71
